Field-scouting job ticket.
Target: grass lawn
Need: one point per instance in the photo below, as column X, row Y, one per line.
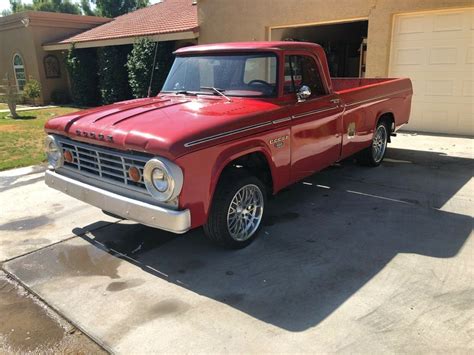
column 21, row 140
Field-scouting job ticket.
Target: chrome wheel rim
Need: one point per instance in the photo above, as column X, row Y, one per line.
column 245, row 212
column 379, row 143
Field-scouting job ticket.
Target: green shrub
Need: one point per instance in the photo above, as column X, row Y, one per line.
column 32, row 89
column 140, row 63
column 82, row 68
column 113, row 78
column 60, row 97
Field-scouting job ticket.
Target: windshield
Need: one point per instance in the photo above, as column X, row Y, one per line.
column 233, row 75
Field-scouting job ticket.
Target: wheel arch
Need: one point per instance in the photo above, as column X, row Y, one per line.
column 255, row 159
column 389, row 118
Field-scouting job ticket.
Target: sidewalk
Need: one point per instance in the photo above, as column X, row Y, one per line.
column 29, row 108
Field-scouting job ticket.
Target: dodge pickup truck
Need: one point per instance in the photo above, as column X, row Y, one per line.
column 233, row 124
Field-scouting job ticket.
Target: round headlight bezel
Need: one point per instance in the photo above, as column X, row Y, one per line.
column 171, row 173
column 57, row 161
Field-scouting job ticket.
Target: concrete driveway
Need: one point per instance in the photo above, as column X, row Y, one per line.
column 352, row 259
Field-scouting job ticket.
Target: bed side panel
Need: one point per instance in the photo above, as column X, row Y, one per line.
column 363, row 107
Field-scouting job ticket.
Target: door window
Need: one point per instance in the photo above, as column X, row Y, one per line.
column 302, row 70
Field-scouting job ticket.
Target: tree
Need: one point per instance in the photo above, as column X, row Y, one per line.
column 113, row 80
column 64, row 6
column 82, row 68
column 87, row 9
column 11, row 95
column 140, row 66
column 114, row 8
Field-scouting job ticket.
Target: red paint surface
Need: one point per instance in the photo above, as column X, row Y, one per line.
column 164, row 124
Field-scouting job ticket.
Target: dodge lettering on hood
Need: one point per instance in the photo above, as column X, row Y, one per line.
column 233, row 123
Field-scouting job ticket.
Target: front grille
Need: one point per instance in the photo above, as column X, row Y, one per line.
column 107, row 164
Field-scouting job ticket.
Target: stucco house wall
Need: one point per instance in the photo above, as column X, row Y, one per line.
column 252, row 20
column 26, row 32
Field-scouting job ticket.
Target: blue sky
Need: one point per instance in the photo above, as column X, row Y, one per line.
column 5, row 4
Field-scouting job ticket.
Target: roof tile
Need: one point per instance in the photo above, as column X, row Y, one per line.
column 167, row 16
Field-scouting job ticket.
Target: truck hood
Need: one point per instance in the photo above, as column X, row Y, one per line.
column 166, row 125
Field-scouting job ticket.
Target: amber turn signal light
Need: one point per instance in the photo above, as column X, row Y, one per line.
column 134, row 174
column 68, row 156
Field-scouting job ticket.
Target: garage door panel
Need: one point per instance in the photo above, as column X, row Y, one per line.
column 409, row 56
column 443, row 55
column 468, row 88
column 453, row 21
column 439, row 87
column 470, row 55
column 466, row 120
column 436, row 50
column 445, row 118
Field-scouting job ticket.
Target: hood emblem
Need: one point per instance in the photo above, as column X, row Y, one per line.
column 100, row 136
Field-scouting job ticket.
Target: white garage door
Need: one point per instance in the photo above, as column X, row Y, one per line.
column 436, row 50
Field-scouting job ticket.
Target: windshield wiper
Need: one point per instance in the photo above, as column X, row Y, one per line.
column 217, row 91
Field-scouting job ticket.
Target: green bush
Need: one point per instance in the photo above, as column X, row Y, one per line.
column 82, row 68
column 140, row 63
column 32, row 89
column 113, row 78
column 60, row 97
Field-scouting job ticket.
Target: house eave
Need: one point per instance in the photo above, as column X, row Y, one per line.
column 175, row 36
column 50, row 19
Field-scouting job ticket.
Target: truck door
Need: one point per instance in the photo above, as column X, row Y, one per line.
column 316, row 122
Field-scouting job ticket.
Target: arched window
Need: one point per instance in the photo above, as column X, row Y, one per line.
column 19, row 70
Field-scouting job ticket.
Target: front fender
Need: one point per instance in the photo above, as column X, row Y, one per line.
column 202, row 169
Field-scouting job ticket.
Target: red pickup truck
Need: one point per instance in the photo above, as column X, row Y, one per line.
column 233, row 123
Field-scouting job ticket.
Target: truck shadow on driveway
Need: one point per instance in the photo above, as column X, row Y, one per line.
column 323, row 240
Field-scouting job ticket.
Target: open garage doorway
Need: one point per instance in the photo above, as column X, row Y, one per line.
column 345, row 44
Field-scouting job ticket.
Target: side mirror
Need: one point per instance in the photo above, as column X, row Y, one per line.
column 303, row 93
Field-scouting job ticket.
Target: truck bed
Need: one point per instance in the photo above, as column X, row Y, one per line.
column 365, row 100
column 343, row 84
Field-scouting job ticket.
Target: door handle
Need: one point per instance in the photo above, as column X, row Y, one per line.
column 335, row 101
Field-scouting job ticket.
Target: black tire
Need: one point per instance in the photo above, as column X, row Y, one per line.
column 369, row 156
column 216, row 227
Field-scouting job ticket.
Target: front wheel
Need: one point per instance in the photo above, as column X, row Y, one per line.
column 237, row 211
column 373, row 155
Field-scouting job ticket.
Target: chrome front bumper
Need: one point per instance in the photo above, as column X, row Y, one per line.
column 141, row 212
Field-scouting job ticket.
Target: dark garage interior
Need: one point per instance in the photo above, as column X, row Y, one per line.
column 344, row 43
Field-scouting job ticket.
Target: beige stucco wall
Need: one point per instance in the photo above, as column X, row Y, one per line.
column 17, row 40
column 41, row 28
column 251, row 20
column 41, row 35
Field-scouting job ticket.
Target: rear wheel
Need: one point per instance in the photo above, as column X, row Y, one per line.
column 373, row 155
column 237, row 210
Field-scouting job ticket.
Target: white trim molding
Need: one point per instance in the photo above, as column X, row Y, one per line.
column 121, row 41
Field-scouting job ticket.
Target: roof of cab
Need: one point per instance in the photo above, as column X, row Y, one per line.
column 245, row 46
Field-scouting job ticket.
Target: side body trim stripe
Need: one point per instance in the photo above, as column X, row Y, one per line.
column 377, row 98
column 285, row 119
column 228, row 133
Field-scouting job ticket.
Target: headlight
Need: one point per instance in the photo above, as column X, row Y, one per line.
column 163, row 179
column 53, row 152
